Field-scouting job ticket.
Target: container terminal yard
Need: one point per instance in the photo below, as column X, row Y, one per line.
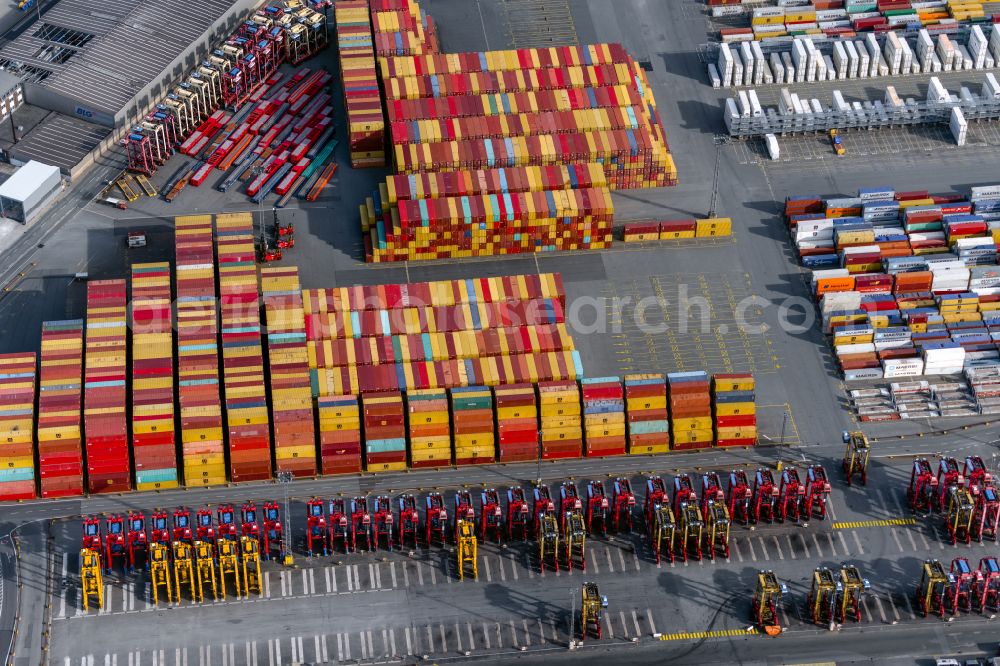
column 291, row 372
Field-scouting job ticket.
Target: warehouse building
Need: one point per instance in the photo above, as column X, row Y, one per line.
column 26, row 194
column 99, row 66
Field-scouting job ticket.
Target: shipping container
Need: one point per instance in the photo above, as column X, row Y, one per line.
column 429, row 427
column 603, row 416
column 472, row 415
column 646, row 414
column 385, row 431
column 516, row 423
column 17, row 426
column 559, row 419
column 247, row 422
column 60, row 442
column 734, row 408
column 340, row 440
column 359, row 77
column 690, row 410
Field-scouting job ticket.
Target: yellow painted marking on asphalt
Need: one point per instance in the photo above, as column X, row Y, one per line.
column 891, row 522
column 703, row 635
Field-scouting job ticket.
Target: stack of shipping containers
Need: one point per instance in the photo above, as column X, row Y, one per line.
column 735, row 410
column 248, row 425
column 17, row 426
column 517, row 422
column 202, row 445
column 366, row 125
column 60, row 444
column 401, row 28
column 472, row 419
column 154, row 448
column 385, row 431
column 603, row 416
column 646, row 411
column 104, row 399
column 288, row 363
column 339, row 434
column 690, row 410
column 559, row 420
column 429, row 428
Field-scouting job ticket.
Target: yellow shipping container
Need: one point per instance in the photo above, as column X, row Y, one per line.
column 688, row 436
column 735, row 408
column 696, row 423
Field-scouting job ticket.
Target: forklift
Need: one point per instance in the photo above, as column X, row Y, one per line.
column 856, row 456
column 591, row 606
column 766, row 598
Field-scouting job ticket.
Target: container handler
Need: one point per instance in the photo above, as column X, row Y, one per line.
column 597, row 508
column 988, row 586
column 435, row 519
column 624, row 505
column 690, row 528
column 963, row 587
column 250, row 565
column 159, row 571
column 138, row 542
column 114, row 543
column 273, row 532
column 923, row 486
column 229, row 564
column 949, row 476
column 182, row 526
column 575, row 540
column 465, row 540
column 316, row 528
column 91, row 580
column 160, row 532
column 711, row 490
column 409, row 520
column 663, row 532
column 656, row 495
column 518, row 514
column 976, row 472
column 205, row 530
column 340, row 526
column 569, row 503
column 683, row 493
column 227, row 523
column 184, row 570
column 385, row 524
column 464, row 512
column 932, row 588
column 548, row 542
column 986, row 516
column 490, row 515
column 92, row 537
column 740, row 497
column 856, row 456
column 817, row 493
column 850, row 597
column 204, row 562
column 592, row 604
column 717, row 521
column 961, row 507
column 790, row 495
column 822, row 599
column 765, row 496
column 543, row 503
column 766, row 598
column 361, row 524
column 248, row 521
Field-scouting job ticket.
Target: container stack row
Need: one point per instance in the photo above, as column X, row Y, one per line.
column 340, row 440
column 402, row 29
column 359, row 76
column 385, row 431
column 472, row 412
column 105, row 398
column 17, row 424
column 429, row 428
column 60, row 441
column 735, row 407
column 678, row 229
column 154, row 446
column 646, row 410
column 603, row 416
column 690, row 410
column 559, row 422
column 517, row 422
column 288, row 362
column 248, row 424
column 202, row 443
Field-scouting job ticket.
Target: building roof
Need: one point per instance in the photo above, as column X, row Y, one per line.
column 26, row 180
column 8, row 82
column 102, row 54
column 60, row 140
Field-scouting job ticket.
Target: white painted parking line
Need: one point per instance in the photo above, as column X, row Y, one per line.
column 284, row 585
column 371, row 576
column 499, row 636
column 513, row 634
column 843, row 543
column 555, row 632
column 201, row 655
column 895, row 538
column 486, row 636
column 805, row 546
column 295, row 651
column 347, row 645
column 371, row 648
column 472, row 639
column 777, row 545
column 340, row 648
column 763, row 548
column 593, row 561
column 753, row 554
column 881, row 611
column 607, row 623
column 305, row 583
column 621, row 558
column 444, row 639
column 392, row 642
column 486, row 566
column 267, row 584
column 527, row 565
column 364, row 646
column 312, row 581
column 923, row 540
column 108, row 600
column 635, row 620
column 420, row 574
column 434, row 580
column 527, row 634
column 819, row 549
column 409, row 641
column 322, row 647
column 406, row 575
column 326, row 578
column 430, row 638
column 649, row 616
column 611, row 567
column 830, row 511
column 392, row 574
column 302, row 652
column 503, row 574
column 895, row 611
column 621, row 614
column 857, row 542
column 277, row 650
column 378, row 576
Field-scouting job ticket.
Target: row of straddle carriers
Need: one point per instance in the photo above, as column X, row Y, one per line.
column 964, row 495
column 960, row 589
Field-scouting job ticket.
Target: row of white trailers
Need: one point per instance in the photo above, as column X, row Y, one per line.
column 746, row 64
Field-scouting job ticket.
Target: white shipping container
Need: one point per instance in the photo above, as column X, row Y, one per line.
column 713, row 76
column 852, row 60
column 773, row 150
column 744, row 101
column 778, row 68
column 863, row 63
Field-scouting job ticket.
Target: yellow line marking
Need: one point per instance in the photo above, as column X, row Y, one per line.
column 891, row 522
column 702, row 635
